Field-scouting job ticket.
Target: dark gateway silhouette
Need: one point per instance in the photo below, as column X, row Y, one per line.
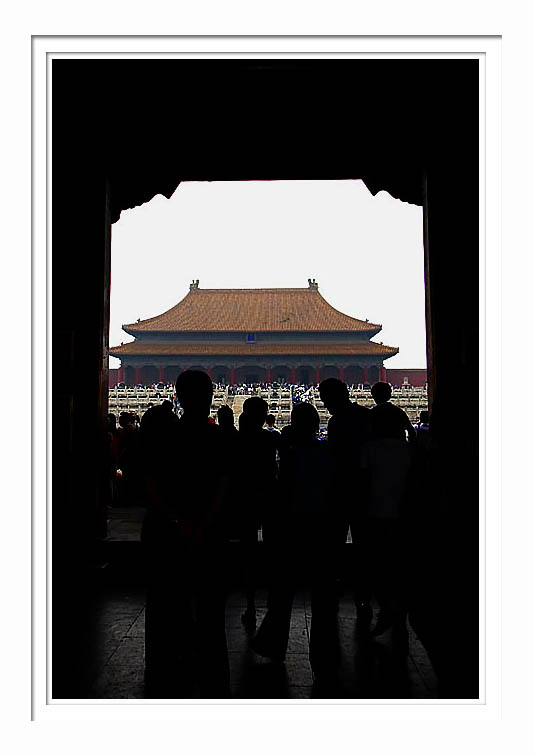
column 125, row 130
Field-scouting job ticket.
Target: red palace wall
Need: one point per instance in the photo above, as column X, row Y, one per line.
column 416, row 378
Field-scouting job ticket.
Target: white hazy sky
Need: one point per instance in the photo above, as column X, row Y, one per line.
column 365, row 252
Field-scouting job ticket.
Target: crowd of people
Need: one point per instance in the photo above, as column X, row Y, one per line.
column 205, row 483
column 251, row 389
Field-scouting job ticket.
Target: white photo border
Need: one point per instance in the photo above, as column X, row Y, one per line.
column 488, row 51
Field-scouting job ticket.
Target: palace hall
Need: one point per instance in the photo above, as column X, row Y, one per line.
column 251, row 336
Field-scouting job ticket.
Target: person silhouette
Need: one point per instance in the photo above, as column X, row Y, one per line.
column 423, row 430
column 270, row 421
column 255, row 487
column 348, row 430
column 128, row 459
column 387, row 460
column 304, row 538
column 231, row 513
column 388, row 420
column 187, row 480
column 225, row 419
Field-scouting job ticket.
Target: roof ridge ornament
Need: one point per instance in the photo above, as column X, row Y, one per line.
column 193, row 286
column 312, row 284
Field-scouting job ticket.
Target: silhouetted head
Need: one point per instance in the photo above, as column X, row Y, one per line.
column 125, row 419
column 225, row 416
column 270, row 419
column 112, row 421
column 194, row 391
column 304, row 422
column 155, row 422
column 423, row 417
column 255, row 410
column 334, row 394
column 245, row 423
column 381, row 392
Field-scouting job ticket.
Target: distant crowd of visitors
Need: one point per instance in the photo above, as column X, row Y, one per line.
column 205, row 483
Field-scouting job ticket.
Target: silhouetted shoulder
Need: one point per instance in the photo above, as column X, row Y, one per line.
column 350, row 427
column 389, row 421
column 361, row 413
column 196, row 461
column 271, row 439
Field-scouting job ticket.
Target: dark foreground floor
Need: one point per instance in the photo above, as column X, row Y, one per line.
column 367, row 671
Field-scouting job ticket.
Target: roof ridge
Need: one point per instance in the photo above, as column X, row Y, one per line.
column 274, row 288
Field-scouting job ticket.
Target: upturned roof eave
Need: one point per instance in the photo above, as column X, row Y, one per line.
column 140, row 332
column 130, row 348
column 131, row 331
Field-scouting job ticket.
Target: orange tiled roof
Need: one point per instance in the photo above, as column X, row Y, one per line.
column 164, row 348
column 252, row 309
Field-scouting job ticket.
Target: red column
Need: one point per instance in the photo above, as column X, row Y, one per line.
column 365, row 376
column 232, row 376
column 342, row 374
column 120, row 375
column 161, row 374
column 317, row 374
column 269, row 377
column 137, row 375
column 382, row 374
column 293, row 375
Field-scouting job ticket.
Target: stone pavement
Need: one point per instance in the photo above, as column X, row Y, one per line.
column 124, row 522
column 366, row 672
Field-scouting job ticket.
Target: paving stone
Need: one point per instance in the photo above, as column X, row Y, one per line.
column 116, row 625
column 103, row 647
column 122, row 691
column 298, row 641
column 298, row 620
column 137, row 629
column 365, row 671
column 236, row 638
column 130, row 652
column 120, row 602
column 299, row 671
column 426, row 671
column 418, row 688
column 117, row 681
column 300, row 693
column 291, row 693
